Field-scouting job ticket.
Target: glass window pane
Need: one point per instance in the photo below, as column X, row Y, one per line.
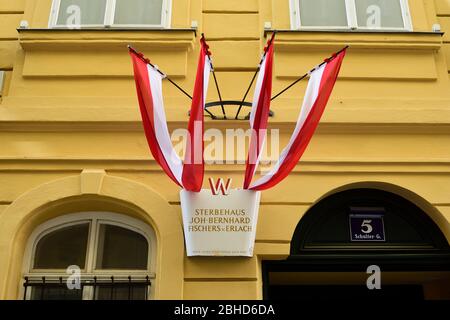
column 379, row 14
column 138, row 12
column 323, row 13
column 62, row 248
column 121, row 292
column 81, row 12
column 55, row 293
column 120, row 248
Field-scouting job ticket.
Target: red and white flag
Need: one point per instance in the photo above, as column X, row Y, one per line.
column 318, row 92
column 194, row 166
column 260, row 113
column 188, row 175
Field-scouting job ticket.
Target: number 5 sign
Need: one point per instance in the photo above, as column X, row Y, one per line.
column 366, row 227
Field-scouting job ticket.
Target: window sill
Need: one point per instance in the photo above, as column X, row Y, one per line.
column 399, row 56
column 78, row 52
column 142, row 38
column 288, row 40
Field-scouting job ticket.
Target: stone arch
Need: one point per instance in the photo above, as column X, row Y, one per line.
column 438, row 217
column 92, row 190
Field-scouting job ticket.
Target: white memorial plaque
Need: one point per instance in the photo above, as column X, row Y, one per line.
column 220, row 224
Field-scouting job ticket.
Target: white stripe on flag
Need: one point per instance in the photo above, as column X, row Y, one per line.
column 257, row 94
column 162, row 132
column 206, row 74
column 255, row 103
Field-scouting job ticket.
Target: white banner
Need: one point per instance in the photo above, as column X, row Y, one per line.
column 220, row 225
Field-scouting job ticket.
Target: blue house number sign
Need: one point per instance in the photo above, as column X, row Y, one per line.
column 366, row 227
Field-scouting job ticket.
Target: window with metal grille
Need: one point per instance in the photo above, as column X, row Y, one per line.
column 90, row 256
column 56, row 288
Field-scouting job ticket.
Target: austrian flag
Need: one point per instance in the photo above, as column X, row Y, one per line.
column 189, row 174
column 148, row 79
column 194, row 165
column 320, row 86
column 260, row 112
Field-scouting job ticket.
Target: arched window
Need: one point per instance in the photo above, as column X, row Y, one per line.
column 91, row 256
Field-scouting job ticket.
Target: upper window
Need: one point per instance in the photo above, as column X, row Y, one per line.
column 351, row 14
column 111, row 254
column 76, row 14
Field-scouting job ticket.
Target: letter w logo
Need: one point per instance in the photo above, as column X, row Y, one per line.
column 220, row 186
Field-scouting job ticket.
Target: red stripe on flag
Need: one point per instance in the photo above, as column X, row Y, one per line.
column 146, row 109
column 260, row 120
column 193, row 168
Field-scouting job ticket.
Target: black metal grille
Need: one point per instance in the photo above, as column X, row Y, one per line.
column 52, row 288
column 210, row 110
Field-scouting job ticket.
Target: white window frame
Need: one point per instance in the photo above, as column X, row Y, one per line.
column 95, row 219
column 352, row 21
column 166, row 15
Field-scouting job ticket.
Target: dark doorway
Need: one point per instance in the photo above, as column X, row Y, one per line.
column 344, row 292
column 342, row 235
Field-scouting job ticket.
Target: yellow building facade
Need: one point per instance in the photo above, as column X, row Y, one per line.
column 73, row 147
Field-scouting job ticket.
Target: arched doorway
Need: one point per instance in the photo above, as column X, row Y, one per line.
column 342, row 235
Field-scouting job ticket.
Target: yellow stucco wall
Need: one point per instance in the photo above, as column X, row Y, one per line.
column 69, row 112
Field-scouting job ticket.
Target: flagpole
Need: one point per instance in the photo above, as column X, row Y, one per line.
column 245, row 95
column 306, row 74
column 215, row 79
column 141, row 56
column 254, row 76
